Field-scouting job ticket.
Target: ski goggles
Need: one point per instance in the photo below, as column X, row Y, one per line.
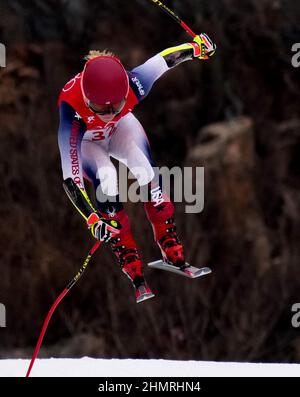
column 111, row 108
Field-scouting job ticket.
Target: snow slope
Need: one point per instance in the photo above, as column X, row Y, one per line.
column 143, row 368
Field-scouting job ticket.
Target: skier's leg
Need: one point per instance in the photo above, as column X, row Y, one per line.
column 99, row 169
column 130, row 142
column 160, row 212
column 130, row 146
column 123, row 245
column 125, row 249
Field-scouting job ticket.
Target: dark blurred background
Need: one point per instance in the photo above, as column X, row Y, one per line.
column 237, row 115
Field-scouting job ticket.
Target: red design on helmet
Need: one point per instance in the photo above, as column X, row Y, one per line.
column 104, row 80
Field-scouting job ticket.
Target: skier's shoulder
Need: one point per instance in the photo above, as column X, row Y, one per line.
column 71, row 92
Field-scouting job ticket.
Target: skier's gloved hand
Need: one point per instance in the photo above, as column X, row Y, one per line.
column 103, row 229
column 204, row 47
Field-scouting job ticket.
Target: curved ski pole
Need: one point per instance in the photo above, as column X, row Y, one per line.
column 175, row 17
column 56, row 303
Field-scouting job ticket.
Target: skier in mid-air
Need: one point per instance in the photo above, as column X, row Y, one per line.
column 96, row 123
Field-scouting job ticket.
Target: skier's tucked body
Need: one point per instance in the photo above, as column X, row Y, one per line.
column 96, row 123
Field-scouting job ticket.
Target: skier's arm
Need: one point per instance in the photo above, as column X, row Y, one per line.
column 144, row 76
column 202, row 48
column 70, row 133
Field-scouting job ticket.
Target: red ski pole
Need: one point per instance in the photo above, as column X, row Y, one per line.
column 56, row 303
column 175, row 17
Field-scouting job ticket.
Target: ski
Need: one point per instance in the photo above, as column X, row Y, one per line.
column 187, row 271
column 143, row 293
column 142, row 290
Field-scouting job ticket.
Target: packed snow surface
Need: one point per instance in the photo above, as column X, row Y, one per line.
column 90, row 367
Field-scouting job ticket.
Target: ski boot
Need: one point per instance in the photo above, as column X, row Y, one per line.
column 161, row 218
column 169, row 243
column 160, row 213
column 124, row 248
